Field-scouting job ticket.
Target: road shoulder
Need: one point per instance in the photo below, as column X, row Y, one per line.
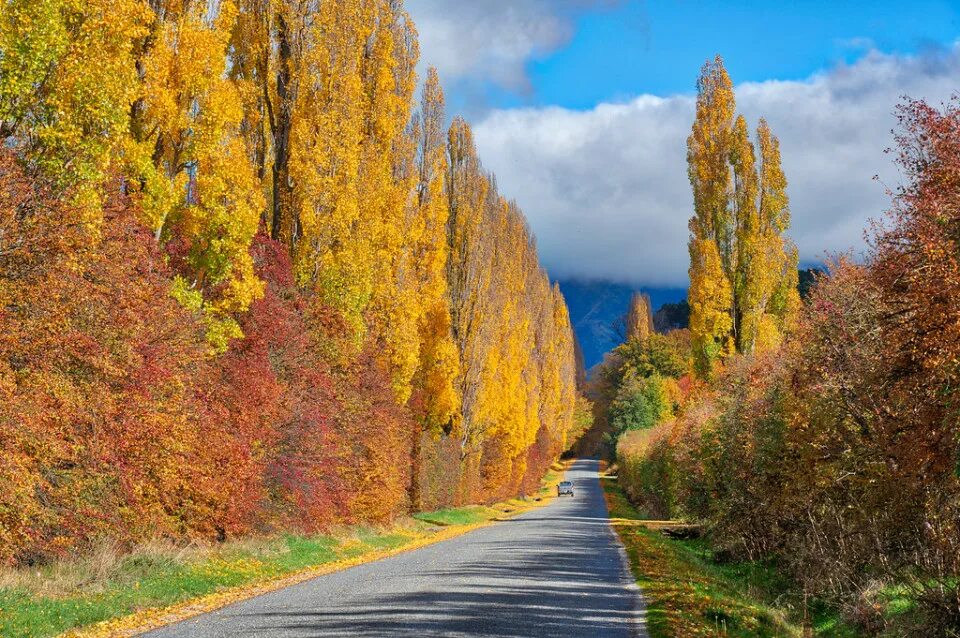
column 689, row 594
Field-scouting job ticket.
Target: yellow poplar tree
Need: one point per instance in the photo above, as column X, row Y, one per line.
column 504, row 421
column 350, row 191
column 326, row 144
column 781, row 297
column 560, row 375
column 428, row 255
column 742, row 269
column 710, row 297
column 269, row 50
column 187, row 152
column 518, row 372
column 570, row 368
column 388, row 196
column 639, row 320
column 468, row 272
column 67, row 81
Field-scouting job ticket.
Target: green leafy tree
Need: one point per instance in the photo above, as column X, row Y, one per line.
column 641, row 402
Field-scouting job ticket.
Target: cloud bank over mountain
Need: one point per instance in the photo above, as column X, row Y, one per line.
column 606, row 189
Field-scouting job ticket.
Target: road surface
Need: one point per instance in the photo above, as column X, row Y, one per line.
column 557, row 571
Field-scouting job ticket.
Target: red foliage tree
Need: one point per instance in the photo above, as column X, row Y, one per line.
column 96, row 364
column 274, row 394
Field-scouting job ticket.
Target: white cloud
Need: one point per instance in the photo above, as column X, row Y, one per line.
column 606, row 190
column 492, row 40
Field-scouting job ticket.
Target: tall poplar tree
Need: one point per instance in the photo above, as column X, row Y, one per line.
column 743, row 270
column 639, row 319
column 428, row 254
column 186, row 152
column 67, row 82
column 468, row 271
column 270, row 44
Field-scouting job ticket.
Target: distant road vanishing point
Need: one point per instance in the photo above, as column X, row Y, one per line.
column 557, row 571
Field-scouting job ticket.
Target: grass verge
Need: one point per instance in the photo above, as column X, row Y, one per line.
column 120, row 594
column 689, row 594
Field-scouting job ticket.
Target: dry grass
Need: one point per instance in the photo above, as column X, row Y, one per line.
column 109, row 564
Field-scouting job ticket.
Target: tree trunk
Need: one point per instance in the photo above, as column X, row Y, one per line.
column 416, row 450
column 282, row 227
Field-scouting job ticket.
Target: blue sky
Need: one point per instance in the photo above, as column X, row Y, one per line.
column 582, row 109
column 656, row 47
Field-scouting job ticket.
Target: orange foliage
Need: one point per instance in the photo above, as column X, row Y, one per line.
column 166, row 370
column 115, row 421
column 96, row 362
column 838, row 455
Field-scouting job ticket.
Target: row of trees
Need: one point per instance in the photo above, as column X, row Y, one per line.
column 836, row 454
column 248, row 281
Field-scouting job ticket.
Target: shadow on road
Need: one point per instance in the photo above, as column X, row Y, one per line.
column 553, row 572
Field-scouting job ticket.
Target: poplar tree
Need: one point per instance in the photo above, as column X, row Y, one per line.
column 639, row 320
column 187, row 155
column 270, row 44
column 742, row 268
column 468, row 271
column 428, row 253
column 517, row 373
column 67, row 82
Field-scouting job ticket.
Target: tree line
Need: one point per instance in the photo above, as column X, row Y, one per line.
column 820, row 436
column 251, row 280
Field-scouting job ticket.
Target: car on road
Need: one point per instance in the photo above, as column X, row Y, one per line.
column 565, row 487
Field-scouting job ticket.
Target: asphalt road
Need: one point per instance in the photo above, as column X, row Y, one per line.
column 556, row 571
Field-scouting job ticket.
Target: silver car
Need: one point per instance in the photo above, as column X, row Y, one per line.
column 565, row 487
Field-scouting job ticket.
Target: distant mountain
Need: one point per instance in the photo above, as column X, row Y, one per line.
column 671, row 316
column 807, row 279
column 596, row 305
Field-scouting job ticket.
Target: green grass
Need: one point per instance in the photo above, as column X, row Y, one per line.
column 901, row 605
column 690, row 594
column 458, row 515
column 471, row 514
column 66, row 596
column 549, row 484
column 51, row 599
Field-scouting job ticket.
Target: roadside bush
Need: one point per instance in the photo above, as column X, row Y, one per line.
column 641, row 403
column 119, row 424
column 647, row 470
column 838, row 456
column 98, row 432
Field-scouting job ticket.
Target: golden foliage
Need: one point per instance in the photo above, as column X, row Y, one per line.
column 402, row 264
column 741, row 265
column 427, row 255
column 67, row 81
column 639, row 321
column 186, row 149
column 517, row 378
